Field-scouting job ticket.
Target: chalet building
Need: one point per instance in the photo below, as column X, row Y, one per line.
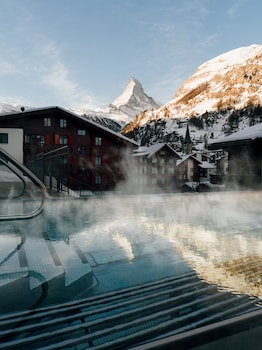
column 154, row 168
column 187, row 170
column 244, row 150
column 75, row 151
column 206, row 171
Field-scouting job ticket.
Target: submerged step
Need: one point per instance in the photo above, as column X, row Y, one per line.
column 132, row 315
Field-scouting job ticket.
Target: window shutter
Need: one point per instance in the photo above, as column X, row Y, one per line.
column 70, row 139
column 47, row 139
column 57, row 139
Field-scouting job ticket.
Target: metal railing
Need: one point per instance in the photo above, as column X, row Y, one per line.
column 32, row 189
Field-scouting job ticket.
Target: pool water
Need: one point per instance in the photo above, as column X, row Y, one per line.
column 85, row 247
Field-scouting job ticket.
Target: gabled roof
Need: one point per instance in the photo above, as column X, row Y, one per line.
column 185, row 158
column 37, row 111
column 149, row 151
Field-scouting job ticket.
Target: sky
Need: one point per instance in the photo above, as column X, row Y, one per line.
column 81, row 53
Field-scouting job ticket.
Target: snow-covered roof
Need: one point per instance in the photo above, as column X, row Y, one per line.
column 90, row 122
column 184, row 158
column 206, row 165
column 247, row 134
column 149, row 151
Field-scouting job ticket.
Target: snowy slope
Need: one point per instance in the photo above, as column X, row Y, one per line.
column 219, row 93
column 7, row 108
column 232, row 79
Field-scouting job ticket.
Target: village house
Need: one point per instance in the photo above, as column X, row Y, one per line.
column 59, row 144
column 244, row 156
column 154, row 168
column 187, row 171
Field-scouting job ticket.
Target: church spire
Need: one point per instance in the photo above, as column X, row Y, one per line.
column 187, row 144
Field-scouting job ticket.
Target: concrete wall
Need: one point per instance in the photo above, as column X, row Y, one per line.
column 15, row 142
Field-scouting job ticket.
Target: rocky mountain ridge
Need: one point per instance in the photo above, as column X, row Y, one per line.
column 224, row 94
column 133, row 100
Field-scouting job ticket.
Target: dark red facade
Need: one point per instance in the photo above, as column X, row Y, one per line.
column 70, row 148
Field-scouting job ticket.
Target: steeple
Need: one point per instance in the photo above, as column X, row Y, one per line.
column 187, row 143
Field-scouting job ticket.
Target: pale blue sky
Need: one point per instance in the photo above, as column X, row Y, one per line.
column 81, row 53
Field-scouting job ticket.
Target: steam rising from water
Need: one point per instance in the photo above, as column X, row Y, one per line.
column 213, row 233
column 209, row 231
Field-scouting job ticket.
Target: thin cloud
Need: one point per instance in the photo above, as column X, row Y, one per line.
column 56, row 76
column 235, row 8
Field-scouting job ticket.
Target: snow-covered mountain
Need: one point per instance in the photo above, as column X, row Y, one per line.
column 216, row 98
column 7, row 108
column 121, row 111
column 124, row 108
column 133, row 100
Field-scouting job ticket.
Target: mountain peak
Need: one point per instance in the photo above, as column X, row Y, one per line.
column 230, row 80
column 133, row 100
column 219, row 89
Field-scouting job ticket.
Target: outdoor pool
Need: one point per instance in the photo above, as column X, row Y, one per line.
column 112, row 242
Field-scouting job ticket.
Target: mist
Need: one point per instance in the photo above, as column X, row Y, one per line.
column 123, row 238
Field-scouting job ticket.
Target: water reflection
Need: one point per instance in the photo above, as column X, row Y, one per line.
column 217, row 235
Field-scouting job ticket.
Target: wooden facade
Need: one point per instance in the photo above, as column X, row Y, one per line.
column 154, row 168
column 73, row 149
column 187, row 170
column 244, row 157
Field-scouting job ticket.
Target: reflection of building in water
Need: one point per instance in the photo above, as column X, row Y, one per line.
column 232, row 258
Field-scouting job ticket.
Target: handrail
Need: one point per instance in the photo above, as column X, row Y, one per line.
column 10, row 162
column 12, row 168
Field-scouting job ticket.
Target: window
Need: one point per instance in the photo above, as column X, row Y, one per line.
column 27, row 138
column 47, row 122
column 98, row 141
column 35, row 139
column 81, row 132
column 3, row 138
column 81, row 149
column 63, row 123
column 98, row 180
column 154, row 171
column 143, row 180
column 63, row 140
column 154, row 160
column 40, row 140
column 98, row 160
